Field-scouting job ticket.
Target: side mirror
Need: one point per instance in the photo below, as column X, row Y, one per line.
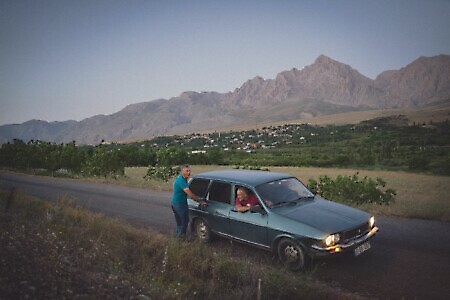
column 313, row 191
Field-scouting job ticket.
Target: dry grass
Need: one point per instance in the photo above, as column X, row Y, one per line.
column 135, row 177
column 83, row 255
column 418, row 195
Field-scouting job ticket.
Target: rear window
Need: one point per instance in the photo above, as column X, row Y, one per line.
column 199, row 186
column 220, row 192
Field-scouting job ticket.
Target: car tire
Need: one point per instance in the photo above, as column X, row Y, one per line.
column 291, row 254
column 202, row 230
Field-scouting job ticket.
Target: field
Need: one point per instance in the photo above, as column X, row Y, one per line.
column 418, row 195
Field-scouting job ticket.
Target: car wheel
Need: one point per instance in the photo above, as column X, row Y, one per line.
column 202, row 230
column 291, row 254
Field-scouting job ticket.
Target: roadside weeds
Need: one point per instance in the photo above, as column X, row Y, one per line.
column 62, row 251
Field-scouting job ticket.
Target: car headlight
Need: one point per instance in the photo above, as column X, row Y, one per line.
column 332, row 239
column 371, row 221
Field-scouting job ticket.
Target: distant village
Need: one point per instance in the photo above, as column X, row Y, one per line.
column 266, row 137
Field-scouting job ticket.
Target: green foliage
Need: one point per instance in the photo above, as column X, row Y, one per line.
column 417, row 162
column 280, row 286
column 135, row 155
column 247, row 167
column 103, row 162
column 164, row 173
column 62, row 158
column 71, row 157
column 171, row 156
column 353, row 190
column 215, row 156
column 387, row 143
column 164, row 168
column 41, row 155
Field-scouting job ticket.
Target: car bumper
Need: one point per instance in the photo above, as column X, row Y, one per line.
column 339, row 248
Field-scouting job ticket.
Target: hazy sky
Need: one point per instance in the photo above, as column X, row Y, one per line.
column 62, row 60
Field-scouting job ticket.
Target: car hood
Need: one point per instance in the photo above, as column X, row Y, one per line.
column 324, row 215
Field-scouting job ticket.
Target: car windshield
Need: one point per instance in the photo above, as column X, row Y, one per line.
column 284, row 191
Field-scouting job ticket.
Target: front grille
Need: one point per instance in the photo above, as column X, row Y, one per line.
column 355, row 232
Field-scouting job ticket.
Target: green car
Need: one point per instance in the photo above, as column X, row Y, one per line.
column 288, row 219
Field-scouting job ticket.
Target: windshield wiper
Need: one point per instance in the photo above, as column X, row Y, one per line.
column 285, row 202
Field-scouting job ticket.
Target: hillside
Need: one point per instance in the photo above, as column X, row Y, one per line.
column 435, row 112
column 324, row 88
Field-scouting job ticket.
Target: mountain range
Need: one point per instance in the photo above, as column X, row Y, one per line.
column 322, row 88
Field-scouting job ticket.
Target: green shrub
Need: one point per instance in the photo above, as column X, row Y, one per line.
column 418, row 162
column 247, row 167
column 161, row 173
column 352, row 190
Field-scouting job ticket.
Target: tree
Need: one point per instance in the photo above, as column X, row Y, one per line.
column 71, row 157
column 215, row 156
column 104, row 162
column 171, row 157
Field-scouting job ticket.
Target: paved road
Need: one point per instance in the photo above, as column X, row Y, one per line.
column 136, row 205
column 409, row 259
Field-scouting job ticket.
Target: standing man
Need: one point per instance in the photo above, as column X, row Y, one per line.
column 179, row 200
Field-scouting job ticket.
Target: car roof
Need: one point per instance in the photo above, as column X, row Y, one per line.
column 247, row 177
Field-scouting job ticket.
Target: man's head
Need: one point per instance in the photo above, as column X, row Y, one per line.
column 242, row 193
column 185, row 171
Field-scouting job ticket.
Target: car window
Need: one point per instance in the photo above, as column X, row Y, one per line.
column 199, row 186
column 285, row 190
column 220, row 192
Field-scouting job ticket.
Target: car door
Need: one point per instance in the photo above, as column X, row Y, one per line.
column 219, row 198
column 249, row 226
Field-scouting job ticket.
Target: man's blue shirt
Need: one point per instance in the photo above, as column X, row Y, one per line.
column 179, row 196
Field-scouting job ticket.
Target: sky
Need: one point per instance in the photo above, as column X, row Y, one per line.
column 73, row 59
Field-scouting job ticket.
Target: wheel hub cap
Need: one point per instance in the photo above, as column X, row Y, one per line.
column 291, row 253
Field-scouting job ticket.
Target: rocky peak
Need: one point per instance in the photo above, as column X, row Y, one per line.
column 256, row 82
column 325, row 64
column 337, row 83
column 425, row 80
column 323, row 59
column 144, row 106
column 188, row 95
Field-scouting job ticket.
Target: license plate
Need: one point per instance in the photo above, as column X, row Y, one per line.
column 361, row 248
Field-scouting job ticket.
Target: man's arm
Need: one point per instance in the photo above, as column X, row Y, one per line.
column 193, row 196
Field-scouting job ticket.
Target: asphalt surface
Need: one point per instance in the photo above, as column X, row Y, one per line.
column 409, row 259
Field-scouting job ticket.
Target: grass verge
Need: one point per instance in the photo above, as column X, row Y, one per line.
column 61, row 251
